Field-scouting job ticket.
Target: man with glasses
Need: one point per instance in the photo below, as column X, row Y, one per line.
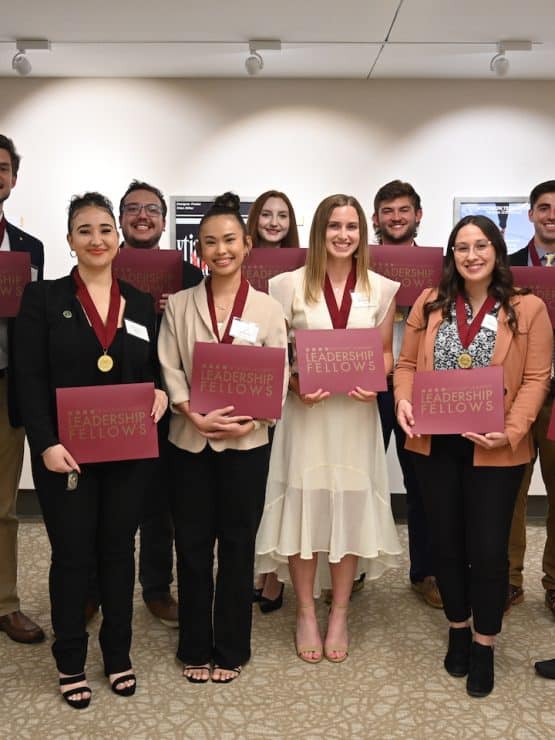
column 539, row 252
column 12, row 621
column 396, row 218
column 142, row 213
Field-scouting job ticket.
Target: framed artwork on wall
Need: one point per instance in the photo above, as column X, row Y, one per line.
column 509, row 213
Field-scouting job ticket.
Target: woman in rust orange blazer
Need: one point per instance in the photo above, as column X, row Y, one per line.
column 475, row 318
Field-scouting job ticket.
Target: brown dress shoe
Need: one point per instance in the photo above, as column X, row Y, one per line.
column 20, row 628
column 427, row 588
column 165, row 609
column 550, row 600
column 515, row 595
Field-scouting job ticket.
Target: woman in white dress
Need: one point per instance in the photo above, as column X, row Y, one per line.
column 327, row 488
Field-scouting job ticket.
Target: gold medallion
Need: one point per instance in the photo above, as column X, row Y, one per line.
column 399, row 316
column 464, row 360
column 105, row 363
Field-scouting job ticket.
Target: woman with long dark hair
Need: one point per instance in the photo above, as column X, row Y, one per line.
column 475, row 318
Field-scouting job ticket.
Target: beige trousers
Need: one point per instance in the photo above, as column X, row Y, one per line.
column 545, row 448
column 11, row 461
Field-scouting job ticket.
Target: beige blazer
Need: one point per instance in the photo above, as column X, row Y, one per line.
column 186, row 321
column 526, row 360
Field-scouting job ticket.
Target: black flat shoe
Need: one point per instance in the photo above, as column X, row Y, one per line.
column 545, row 668
column 256, row 595
column 458, row 653
column 117, row 688
column 480, row 671
column 77, row 703
column 271, row 605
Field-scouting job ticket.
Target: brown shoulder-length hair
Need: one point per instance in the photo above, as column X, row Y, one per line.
column 451, row 284
column 291, row 239
column 316, row 258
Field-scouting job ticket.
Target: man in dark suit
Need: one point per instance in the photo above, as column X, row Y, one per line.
column 539, row 252
column 12, row 620
column 396, row 218
column 142, row 213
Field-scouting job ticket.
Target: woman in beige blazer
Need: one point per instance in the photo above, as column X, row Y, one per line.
column 219, row 461
column 469, row 482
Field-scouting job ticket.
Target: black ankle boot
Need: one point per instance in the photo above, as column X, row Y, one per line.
column 458, row 653
column 480, row 672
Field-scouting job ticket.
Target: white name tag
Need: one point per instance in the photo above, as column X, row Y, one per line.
column 360, row 300
column 137, row 330
column 34, row 274
column 490, row 322
column 246, row 330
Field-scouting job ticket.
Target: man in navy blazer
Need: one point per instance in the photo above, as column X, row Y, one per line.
column 12, row 620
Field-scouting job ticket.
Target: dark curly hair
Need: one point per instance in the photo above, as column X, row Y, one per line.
column 451, row 284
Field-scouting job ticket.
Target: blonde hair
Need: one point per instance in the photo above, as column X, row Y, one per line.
column 316, row 259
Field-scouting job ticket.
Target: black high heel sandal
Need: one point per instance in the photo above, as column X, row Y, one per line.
column 78, row 703
column 117, row 688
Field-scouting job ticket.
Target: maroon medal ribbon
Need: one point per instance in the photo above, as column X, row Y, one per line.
column 2, row 229
column 467, row 332
column 236, row 310
column 340, row 316
column 105, row 333
column 533, row 252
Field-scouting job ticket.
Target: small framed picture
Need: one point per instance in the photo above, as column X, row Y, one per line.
column 509, row 213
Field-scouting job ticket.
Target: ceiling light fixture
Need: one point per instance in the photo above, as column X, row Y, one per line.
column 499, row 64
column 20, row 62
column 254, row 62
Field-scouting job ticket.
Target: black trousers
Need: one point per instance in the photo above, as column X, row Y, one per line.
column 216, row 497
column 469, row 509
column 92, row 527
column 156, row 529
column 420, row 551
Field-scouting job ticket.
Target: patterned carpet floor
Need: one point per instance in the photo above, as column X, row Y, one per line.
column 393, row 684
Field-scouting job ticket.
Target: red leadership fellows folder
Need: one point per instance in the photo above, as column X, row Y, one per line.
column 246, row 377
column 154, row 271
column 541, row 282
column 264, row 263
column 101, row 423
column 338, row 360
column 15, row 273
column 416, row 268
column 458, row 401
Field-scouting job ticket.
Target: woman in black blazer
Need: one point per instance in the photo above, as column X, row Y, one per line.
column 91, row 511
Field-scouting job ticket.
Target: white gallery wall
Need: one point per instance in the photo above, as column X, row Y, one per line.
column 307, row 137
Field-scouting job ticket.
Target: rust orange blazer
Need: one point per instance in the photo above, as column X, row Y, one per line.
column 526, row 360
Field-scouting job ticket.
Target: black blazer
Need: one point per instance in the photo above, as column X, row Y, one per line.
column 53, row 350
column 520, row 258
column 20, row 241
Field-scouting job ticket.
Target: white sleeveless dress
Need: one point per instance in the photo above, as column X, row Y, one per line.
column 328, row 488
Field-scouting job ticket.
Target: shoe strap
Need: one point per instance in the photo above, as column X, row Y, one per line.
column 73, row 679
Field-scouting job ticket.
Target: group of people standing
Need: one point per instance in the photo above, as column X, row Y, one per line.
column 309, row 503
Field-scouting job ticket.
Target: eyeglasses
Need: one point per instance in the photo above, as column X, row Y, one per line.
column 464, row 249
column 133, row 209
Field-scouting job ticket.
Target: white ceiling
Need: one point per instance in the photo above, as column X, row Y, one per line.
column 354, row 39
